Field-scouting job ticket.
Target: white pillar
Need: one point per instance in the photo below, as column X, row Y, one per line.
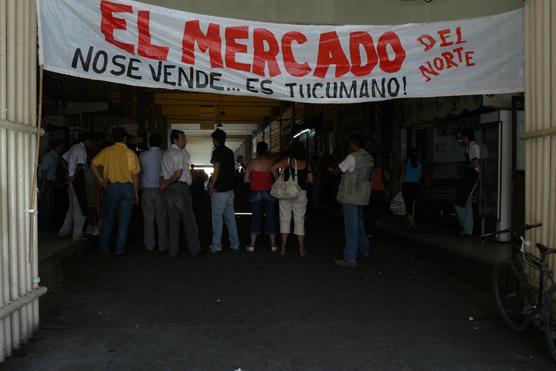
column 540, row 119
column 19, row 290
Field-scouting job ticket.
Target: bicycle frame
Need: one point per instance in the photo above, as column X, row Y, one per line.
column 523, row 258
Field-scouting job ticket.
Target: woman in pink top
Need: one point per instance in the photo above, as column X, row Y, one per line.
column 259, row 175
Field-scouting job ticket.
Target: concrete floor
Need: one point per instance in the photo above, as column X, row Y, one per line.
column 407, row 307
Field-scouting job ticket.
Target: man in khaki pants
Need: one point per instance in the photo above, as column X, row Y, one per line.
column 155, row 209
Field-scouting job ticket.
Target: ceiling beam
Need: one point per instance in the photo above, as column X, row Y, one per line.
column 196, row 120
column 213, row 111
column 206, row 97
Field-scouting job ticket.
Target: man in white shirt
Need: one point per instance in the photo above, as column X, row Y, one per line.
column 354, row 193
column 74, row 160
column 48, row 175
column 176, row 183
column 468, row 184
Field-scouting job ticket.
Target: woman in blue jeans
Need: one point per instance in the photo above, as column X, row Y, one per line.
column 411, row 178
column 259, row 175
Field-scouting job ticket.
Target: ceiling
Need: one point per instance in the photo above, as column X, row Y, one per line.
column 199, row 142
column 198, row 114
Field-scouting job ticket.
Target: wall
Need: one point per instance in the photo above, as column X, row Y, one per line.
column 540, row 120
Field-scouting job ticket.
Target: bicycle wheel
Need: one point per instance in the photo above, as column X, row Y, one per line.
column 512, row 298
column 549, row 305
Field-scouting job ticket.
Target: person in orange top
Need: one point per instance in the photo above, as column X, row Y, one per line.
column 120, row 169
column 377, row 204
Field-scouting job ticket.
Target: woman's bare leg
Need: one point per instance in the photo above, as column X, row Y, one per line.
column 283, row 244
column 253, row 239
column 301, row 241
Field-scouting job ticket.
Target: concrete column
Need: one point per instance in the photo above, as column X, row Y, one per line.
column 540, row 119
column 18, row 238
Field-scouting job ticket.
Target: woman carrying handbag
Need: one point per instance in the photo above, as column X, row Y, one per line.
column 293, row 201
column 259, row 176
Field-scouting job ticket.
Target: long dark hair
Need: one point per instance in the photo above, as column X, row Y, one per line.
column 297, row 151
column 262, row 149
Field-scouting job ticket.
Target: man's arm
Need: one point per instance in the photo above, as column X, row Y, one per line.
column 100, row 179
column 78, row 170
column 214, row 176
column 475, row 154
column 164, row 183
column 64, row 165
column 97, row 162
column 135, row 178
column 347, row 165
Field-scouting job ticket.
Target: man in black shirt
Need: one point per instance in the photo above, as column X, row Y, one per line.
column 221, row 189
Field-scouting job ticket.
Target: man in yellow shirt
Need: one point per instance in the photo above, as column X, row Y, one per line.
column 120, row 169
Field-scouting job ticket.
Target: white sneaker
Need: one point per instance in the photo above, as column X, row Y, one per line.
column 345, row 263
column 274, row 248
column 95, row 231
column 250, row 248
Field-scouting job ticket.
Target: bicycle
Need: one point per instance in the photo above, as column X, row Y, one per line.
column 517, row 300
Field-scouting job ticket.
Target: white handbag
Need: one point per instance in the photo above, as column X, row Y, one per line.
column 397, row 206
column 286, row 189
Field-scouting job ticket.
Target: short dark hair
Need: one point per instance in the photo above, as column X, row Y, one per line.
column 468, row 132
column 175, row 135
column 155, row 140
column 118, row 134
column 262, row 148
column 356, row 139
column 219, row 136
column 86, row 136
column 297, row 150
column 53, row 143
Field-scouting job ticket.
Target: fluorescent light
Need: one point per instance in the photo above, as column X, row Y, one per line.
column 301, row 132
column 243, row 213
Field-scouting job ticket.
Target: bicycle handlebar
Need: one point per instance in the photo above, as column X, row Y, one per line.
column 509, row 230
column 532, row 226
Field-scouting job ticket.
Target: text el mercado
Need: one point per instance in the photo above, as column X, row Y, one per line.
column 223, row 44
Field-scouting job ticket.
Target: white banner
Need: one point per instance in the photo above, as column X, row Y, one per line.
column 134, row 43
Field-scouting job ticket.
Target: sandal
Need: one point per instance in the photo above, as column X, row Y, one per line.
column 302, row 252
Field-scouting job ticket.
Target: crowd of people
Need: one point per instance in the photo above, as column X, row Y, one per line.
column 103, row 183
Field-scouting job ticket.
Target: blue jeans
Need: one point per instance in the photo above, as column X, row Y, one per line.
column 260, row 200
column 117, row 196
column 357, row 241
column 465, row 214
column 223, row 211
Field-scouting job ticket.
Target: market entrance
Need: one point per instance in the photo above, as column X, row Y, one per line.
column 17, row 113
